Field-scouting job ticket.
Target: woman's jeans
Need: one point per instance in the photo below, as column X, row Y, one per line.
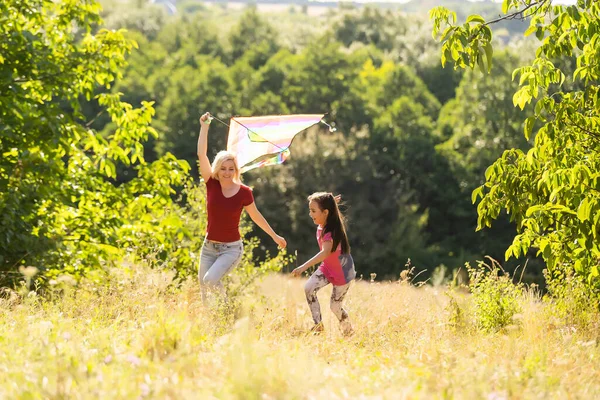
column 216, row 260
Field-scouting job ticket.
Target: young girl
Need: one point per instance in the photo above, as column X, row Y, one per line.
column 337, row 266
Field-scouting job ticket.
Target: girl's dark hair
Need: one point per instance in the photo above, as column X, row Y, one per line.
column 335, row 220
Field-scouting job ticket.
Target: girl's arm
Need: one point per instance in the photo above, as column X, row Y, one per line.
column 205, row 169
column 319, row 257
column 259, row 220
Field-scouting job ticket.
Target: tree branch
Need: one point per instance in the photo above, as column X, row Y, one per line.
column 88, row 124
column 585, row 130
column 41, row 78
column 517, row 14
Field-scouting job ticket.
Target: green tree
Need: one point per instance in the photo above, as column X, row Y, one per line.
column 403, row 40
column 482, row 122
column 141, row 16
column 319, row 79
column 441, row 82
column 61, row 211
column 478, row 126
column 382, row 160
column 370, row 26
column 189, row 36
column 551, row 191
column 253, row 34
column 259, row 91
column 339, row 162
column 382, row 85
column 407, row 164
column 189, row 92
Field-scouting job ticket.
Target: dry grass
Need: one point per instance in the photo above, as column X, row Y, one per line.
column 139, row 338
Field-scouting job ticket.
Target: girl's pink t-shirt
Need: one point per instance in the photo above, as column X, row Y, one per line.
column 331, row 266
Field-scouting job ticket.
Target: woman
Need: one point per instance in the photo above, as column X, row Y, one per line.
column 226, row 197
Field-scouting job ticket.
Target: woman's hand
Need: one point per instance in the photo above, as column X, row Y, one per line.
column 298, row 271
column 280, row 241
column 205, row 119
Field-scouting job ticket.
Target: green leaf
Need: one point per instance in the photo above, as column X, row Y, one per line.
column 533, row 209
column 584, row 210
column 510, row 251
column 455, row 51
column 560, row 209
column 447, row 33
column 531, row 156
column 489, row 51
column 545, row 248
column 578, row 266
column 487, row 32
column 446, row 55
column 475, row 18
column 515, row 73
column 477, row 193
column 109, row 169
column 480, row 63
column 521, row 97
column 524, row 77
column 529, row 122
column 530, row 30
column 539, row 33
column 112, row 250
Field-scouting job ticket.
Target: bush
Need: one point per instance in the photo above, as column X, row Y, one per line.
column 572, row 302
column 495, row 296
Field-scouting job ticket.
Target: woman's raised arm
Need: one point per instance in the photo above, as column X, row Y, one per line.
column 205, row 169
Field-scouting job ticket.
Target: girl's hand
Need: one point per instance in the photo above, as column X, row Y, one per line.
column 337, row 198
column 297, row 271
column 205, row 119
column 280, row 241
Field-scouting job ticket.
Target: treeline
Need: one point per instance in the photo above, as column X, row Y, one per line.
column 413, row 139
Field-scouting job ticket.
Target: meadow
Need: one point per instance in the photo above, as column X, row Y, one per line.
column 416, row 145
column 140, row 336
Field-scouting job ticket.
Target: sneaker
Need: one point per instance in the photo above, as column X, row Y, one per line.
column 346, row 328
column 317, row 329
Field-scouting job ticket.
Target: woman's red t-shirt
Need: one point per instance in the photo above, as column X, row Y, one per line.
column 224, row 212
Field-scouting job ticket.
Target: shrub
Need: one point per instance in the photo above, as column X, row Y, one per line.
column 495, row 296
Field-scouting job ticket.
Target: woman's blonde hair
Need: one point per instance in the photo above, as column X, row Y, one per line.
column 220, row 158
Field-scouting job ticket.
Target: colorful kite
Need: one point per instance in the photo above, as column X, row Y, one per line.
column 262, row 141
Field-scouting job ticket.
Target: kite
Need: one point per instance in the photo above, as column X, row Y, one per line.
column 262, row 141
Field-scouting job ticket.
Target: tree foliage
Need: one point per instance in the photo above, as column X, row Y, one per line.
column 89, row 179
column 403, row 188
column 61, row 211
column 550, row 191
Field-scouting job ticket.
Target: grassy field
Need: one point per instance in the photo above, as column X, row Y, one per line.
column 138, row 337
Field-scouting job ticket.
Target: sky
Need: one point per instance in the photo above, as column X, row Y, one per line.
column 569, row 2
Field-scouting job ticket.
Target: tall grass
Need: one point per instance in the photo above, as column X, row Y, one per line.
column 140, row 336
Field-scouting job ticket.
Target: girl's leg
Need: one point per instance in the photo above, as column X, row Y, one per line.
column 312, row 286
column 208, row 256
column 228, row 256
column 337, row 297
